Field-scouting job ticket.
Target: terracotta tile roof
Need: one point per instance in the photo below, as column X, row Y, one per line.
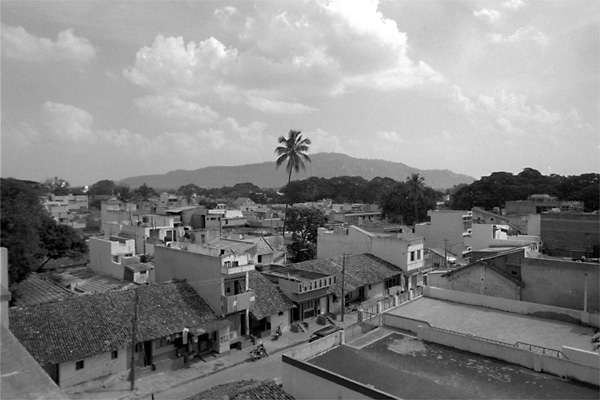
column 237, row 246
column 87, row 325
column 37, row 290
column 269, row 299
column 264, row 246
column 361, row 270
column 268, row 391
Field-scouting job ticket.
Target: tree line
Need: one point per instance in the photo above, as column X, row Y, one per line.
column 497, row 188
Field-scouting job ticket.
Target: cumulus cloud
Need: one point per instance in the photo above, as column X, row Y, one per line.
column 521, row 34
column 461, row 100
column 513, row 114
column 513, row 4
column 389, row 136
column 487, row 14
column 19, row 44
column 176, row 109
column 67, row 124
column 315, row 48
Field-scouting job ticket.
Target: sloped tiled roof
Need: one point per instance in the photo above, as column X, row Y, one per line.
column 269, row 299
column 237, row 246
column 37, row 290
column 361, row 269
column 263, row 246
column 268, row 391
column 84, row 326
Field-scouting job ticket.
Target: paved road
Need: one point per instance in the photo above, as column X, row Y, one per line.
column 266, row 368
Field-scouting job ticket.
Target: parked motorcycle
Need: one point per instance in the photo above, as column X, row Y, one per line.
column 277, row 333
column 258, row 352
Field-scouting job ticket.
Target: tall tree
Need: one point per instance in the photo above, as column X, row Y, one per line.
column 416, row 191
column 304, row 224
column 293, row 151
column 31, row 236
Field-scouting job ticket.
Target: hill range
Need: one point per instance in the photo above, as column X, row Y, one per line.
column 323, row 165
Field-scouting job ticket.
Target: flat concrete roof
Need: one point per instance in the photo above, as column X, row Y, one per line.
column 497, row 325
column 408, row 368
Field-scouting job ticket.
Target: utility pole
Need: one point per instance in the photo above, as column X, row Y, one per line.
column 133, row 340
column 446, row 253
column 343, row 285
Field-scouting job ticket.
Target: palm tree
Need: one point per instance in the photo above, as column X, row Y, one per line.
column 416, row 191
column 293, row 150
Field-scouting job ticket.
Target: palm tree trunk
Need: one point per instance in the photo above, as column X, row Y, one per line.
column 286, row 206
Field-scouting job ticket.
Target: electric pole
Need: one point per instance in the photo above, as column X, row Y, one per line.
column 343, row 284
column 133, row 340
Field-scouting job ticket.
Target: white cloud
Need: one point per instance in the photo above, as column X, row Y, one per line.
column 18, row 44
column 521, row 34
column 389, row 136
column 176, row 109
column 463, row 101
column 316, row 48
column 67, row 124
column 487, row 14
column 513, row 4
column 276, row 106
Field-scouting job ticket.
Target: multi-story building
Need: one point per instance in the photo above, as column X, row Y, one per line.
column 218, row 271
column 116, row 257
column 449, row 230
column 405, row 251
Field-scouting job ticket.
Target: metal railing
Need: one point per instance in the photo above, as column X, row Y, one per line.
column 541, row 350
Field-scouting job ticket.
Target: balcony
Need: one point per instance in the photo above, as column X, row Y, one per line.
column 236, row 269
column 238, row 302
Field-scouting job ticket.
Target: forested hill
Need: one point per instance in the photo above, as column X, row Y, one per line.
column 323, row 165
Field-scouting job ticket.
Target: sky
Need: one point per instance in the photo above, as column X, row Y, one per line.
column 95, row 90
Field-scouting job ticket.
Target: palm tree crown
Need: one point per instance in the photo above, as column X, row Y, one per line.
column 293, row 149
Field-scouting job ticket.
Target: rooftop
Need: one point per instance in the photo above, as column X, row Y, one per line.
column 84, row 326
column 360, row 270
column 484, row 322
column 269, row 299
column 407, row 368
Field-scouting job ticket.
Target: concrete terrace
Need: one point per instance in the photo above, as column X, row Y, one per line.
column 408, row 368
column 497, row 325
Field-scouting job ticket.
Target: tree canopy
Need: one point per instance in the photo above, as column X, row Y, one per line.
column 497, row 188
column 304, row 224
column 29, row 233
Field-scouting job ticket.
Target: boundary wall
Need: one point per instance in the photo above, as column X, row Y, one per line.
column 578, row 364
column 306, row 381
column 514, row 306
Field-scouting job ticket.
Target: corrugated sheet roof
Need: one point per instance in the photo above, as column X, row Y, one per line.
column 84, row 326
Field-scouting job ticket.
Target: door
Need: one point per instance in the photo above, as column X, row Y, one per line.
column 147, row 353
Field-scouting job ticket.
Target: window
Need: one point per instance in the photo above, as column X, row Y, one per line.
column 280, row 313
column 412, row 256
column 114, row 354
column 142, row 272
column 259, row 259
column 79, row 365
column 116, row 259
column 418, row 254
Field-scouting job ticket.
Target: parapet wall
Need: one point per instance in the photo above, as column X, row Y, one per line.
column 514, row 306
